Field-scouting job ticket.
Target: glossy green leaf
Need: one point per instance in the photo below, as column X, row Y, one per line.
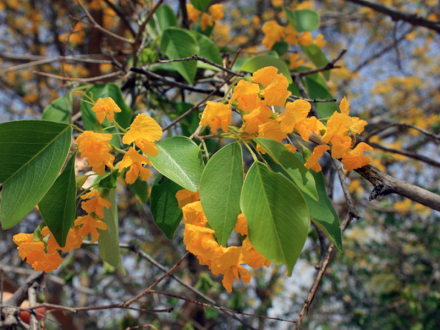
column 180, row 160
column 164, row 205
column 302, row 177
column 303, row 20
column 108, row 241
column 89, row 117
column 200, row 4
column 58, row 207
column 166, row 17
column 207, row 48
column 32, row 153
column 109, row 179
column 60, row 109
column 261, row 61
column 140, row 189
column 178, row 43
column 220, row 189
column 317, row 89
column 277, row 215
column 323, row 214
column 280, row 47
column 317, row 57
column 207, row 31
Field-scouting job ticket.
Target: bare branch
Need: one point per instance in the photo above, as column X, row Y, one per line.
column 381, row 129
column 398, row 15
column 327, row 67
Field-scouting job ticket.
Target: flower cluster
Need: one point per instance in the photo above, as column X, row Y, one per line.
column 200, row 241
column 269, row 88
column 216, row 12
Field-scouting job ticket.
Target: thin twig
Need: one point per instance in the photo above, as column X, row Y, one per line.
column 196, row 57
column 149, row 289
column 352, row 209
column 108, row 75
column 121, row 15
column 32, row 297
column 75, row 310
column 327, row 67
column 379, row 130
column 311, row 100
column 99, row 27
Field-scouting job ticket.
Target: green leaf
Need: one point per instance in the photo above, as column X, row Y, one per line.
column 178, row 43
column 302, row 177
column 180, row 160
column 89, row 117
column 164, row 205
column 166, row 17
column 207, row 32
column 280, row 47
column 220, row 189
column 261, row 61
column 108, row 241
column 140, row 189
column 200, row 4
column 32, row 153
column 207, row 47
column 108, row 180
column 303, row 20
column 323, row 214
column 58, row 207
column 277, row 215
column 60, row 109
column 317, row 57
column 317, row 89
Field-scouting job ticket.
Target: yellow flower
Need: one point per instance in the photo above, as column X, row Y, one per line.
column 95, row 204
column 355, row 158
column 319, row 41
column 241, row 225
column 144, row 130
column 313, row 162
column 216, row 115
column 344, row 106
column 227, row 262
column 89, row 226
column 135, row 160
column 73, row 240
column 306, row 39
column 403, row 207
column 252, row 257
column 216, row 12
column 275, row 85
column 206, row 21
column 193, row 13
column 338, row 124
column 295, row 61
column 246, row 94
column 193, row 214
column 271, row 130
column 309, row 125
column 273, row 32
column 291, row 35
column 256, row 118
column 185, row 197
column 96, row 147
column 47, row 262
column 295, row 112
column 200, row 241
column 291, row 147
column 265, row 76
column 105, row 107
column 340, row 146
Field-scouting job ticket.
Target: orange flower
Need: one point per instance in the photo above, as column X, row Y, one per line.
column 291, row 148
column 357, row 125
column 241, row 225
column 105, row 107
column 48, row 262
column 227, row 262
column 340, row 146
column 246, row 94
column 252, row 257
column 344, row 106
column 216, row 12
column 275, row 85
column 135, row 160
column 291, row 35
column 295, row 61
column 95, row 204
column 193, row 13
column 294, row 113
column 338, row 124
column 216, row 115
column 73, row 240
column 272, row 32
column 319, row 41
column 193, row 214
column 256, row 118
column 271, row 130
column 313, row 162
column 206, row 21
column 96, row 147
column 144, row 130
column 265, row 76
column 355, row 158
column 306, row 39
column 200, row 241
column 89, row 226
column 309, row 125
column 185, row 197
